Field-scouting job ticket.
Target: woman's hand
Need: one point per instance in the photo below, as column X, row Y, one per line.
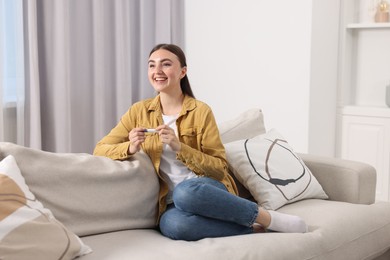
column 136, row 137
column 168, row 136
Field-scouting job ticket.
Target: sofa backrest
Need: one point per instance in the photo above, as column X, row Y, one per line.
column 90, row 194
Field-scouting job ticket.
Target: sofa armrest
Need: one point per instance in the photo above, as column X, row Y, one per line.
column 343, row 180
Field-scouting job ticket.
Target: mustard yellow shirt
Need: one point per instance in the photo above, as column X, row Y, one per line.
column 201, row 151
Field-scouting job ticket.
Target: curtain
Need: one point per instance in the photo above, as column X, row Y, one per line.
column 86, row 63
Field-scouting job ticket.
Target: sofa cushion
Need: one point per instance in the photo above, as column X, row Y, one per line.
column 23, row 219
column 273, row 173
column 90, row 194
column 335, row 232
column 247, row 125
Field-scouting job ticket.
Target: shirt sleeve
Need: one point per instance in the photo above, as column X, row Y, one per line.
column 116, row 144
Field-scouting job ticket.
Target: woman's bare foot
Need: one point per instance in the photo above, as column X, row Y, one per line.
column 257, row 228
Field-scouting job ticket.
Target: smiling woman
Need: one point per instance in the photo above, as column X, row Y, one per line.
column 11, row 71
column 189, row 158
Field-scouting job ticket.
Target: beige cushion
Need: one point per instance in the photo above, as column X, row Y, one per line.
column 247, row 125
column 335, row 232
column 27, row 229
column 270, row 169
column 90, row 194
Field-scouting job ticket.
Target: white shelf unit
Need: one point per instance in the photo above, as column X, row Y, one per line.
column 367, row 25
column 364, row 57
column 365, row 65
column 364, row 72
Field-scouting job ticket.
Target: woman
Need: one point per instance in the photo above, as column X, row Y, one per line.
column 197, row 198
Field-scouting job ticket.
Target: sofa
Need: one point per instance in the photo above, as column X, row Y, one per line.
column 107, row 209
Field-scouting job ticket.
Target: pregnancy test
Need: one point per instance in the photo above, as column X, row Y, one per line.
column 152, row 130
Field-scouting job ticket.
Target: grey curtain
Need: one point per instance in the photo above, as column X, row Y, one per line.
column 86, row 63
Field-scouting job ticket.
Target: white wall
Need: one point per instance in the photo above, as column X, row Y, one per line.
column 324, row 73
column 253, row 53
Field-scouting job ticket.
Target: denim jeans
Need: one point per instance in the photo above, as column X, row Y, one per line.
column 204, row 208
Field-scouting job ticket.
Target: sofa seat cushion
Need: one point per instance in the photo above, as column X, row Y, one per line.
column 338, row 227
column 335, row 232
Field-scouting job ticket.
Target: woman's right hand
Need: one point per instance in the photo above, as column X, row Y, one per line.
column 136, row 138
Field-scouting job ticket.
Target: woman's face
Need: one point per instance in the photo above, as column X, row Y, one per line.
column 165, row 71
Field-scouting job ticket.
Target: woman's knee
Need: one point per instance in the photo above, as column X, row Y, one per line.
column 175, row 225
column 185, row 195
column 188, row 194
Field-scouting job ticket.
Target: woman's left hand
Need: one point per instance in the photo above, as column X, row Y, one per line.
column 168, row 136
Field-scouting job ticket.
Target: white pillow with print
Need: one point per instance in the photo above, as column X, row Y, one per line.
column 273, row 173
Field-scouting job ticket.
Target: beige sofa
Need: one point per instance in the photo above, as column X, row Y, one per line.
column 111, row 205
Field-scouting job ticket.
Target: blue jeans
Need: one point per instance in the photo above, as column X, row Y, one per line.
column 204, row 208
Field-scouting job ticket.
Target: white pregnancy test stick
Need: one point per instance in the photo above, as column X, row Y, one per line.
column 151, row 130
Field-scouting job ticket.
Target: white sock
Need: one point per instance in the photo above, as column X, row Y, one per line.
column 281, row 222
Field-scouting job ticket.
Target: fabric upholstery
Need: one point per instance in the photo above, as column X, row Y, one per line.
column 27, row 228
column 270, row 169
column 335, row 232
column 343, row 180
column 90, row 194
column 248, row 124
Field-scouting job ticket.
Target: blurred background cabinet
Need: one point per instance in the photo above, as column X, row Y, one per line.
column 366, row 137
column 363, row 119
